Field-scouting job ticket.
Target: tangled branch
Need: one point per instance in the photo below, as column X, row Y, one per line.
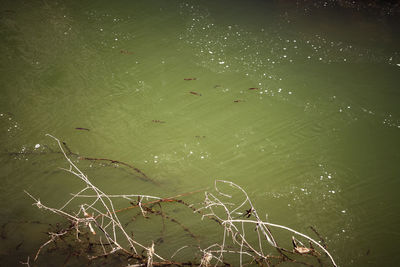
column 96, row 215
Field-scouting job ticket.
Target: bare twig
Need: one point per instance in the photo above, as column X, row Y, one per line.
column 97, row 216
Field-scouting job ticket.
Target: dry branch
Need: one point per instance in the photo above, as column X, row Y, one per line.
column 97, row 216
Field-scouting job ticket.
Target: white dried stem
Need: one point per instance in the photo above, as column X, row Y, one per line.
column 100, row 214
column 109, row 223
column 239, row 236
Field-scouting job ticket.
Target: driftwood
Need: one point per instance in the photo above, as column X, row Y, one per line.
column 96, row 229
column 121, row 163
column 69, row 153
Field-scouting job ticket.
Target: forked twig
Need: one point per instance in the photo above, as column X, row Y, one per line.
column 108, row 227
column 235, row 226
column 99, row 217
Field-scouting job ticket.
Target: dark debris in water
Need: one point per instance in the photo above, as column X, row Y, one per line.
column 82, row 129
column 195, row 93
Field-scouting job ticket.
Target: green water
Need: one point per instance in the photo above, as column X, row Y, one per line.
column 316, row 144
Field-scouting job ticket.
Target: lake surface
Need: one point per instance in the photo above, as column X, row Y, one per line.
column 165, row 86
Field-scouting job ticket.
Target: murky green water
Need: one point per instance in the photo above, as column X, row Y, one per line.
column 317, row 143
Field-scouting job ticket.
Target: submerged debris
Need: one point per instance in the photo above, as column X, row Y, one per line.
column 96, row 233
column 195, row 93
